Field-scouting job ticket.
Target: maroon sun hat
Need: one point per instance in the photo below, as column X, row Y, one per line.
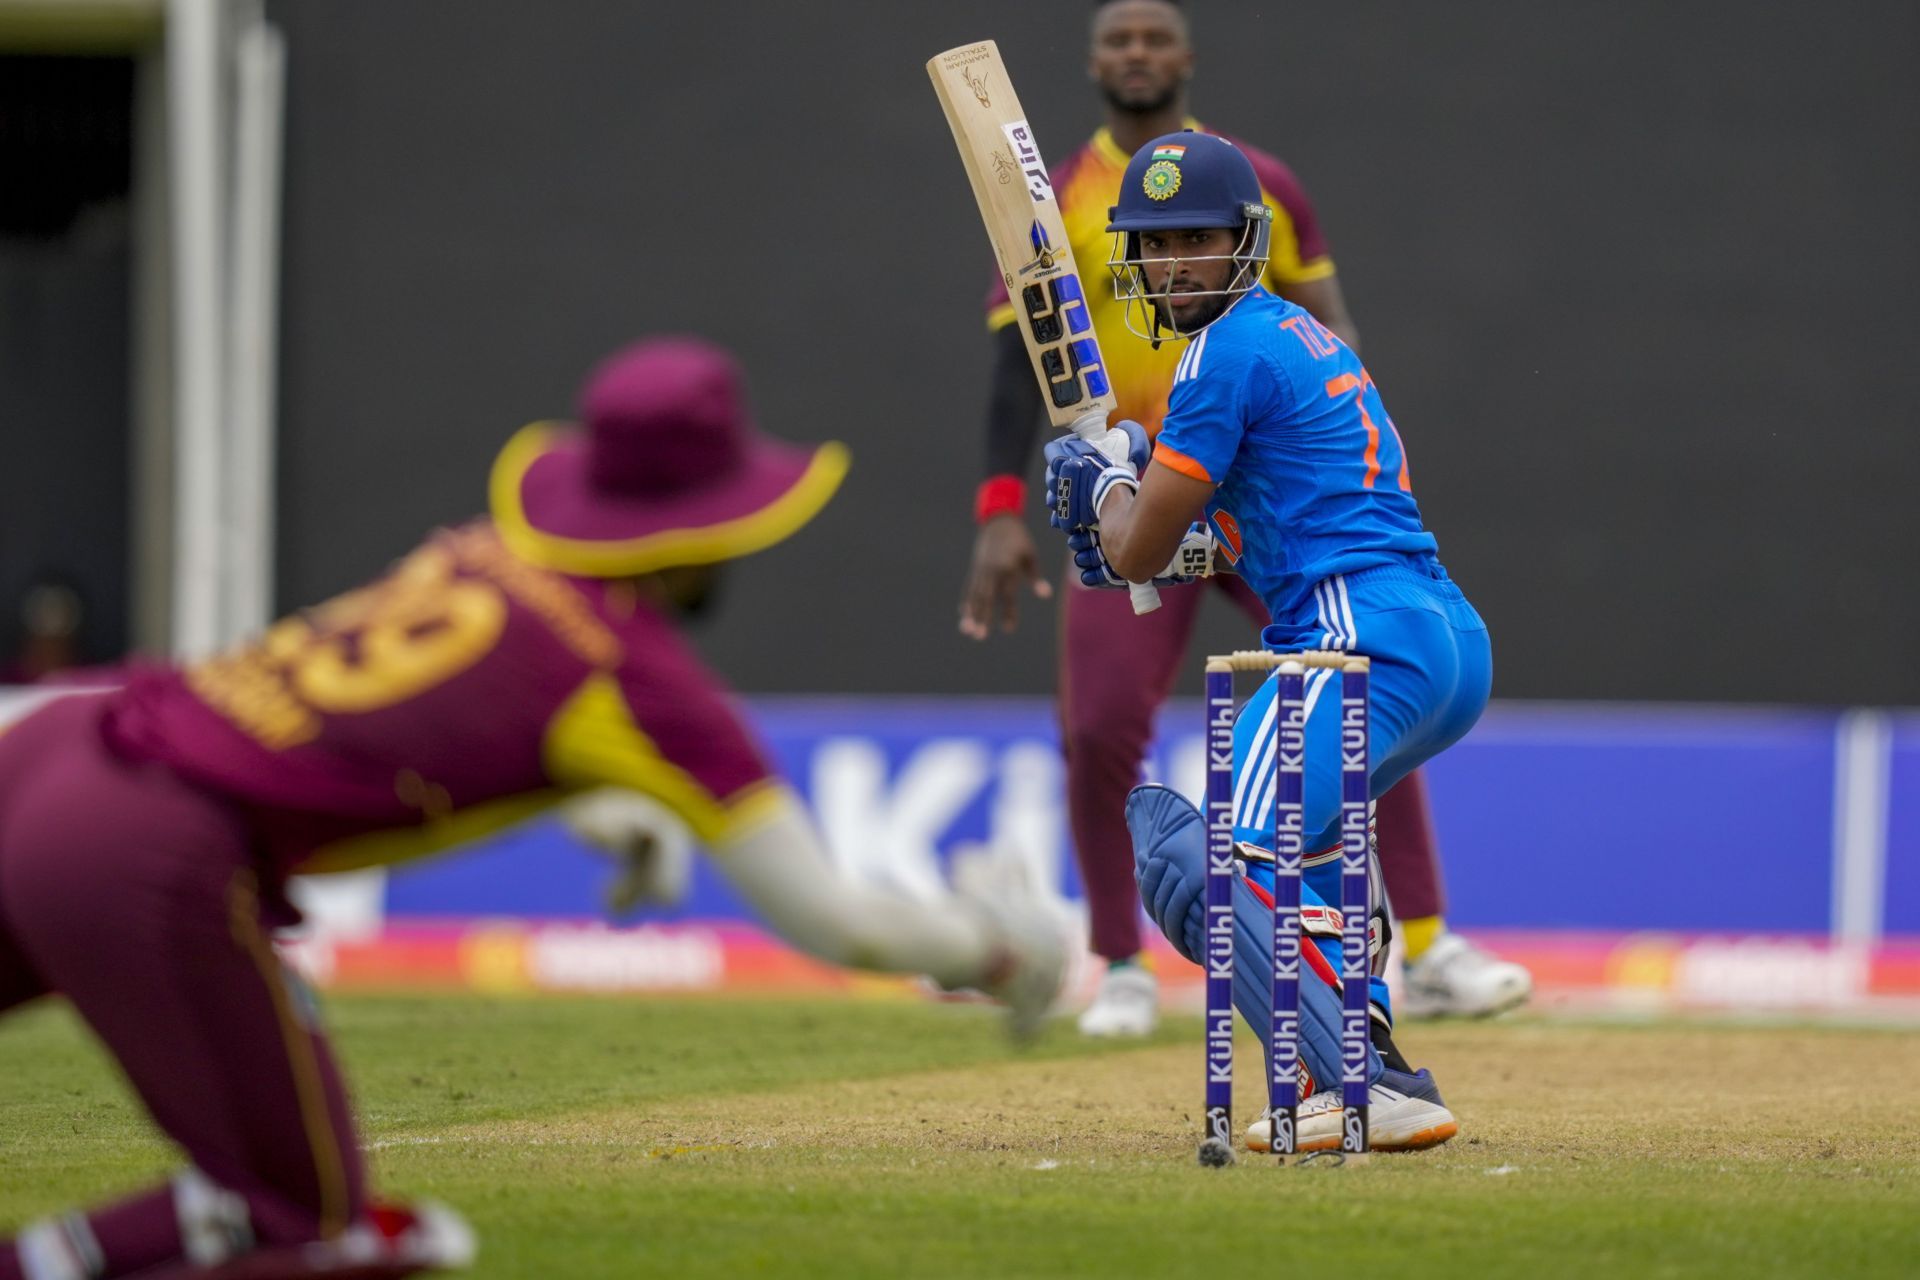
column 665, row 468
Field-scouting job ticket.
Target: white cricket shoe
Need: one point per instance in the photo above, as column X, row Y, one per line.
column 1127, row 1004
column 1454, row 978
column 1404, row 1113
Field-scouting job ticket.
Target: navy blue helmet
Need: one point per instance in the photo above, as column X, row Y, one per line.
column 1176, row 182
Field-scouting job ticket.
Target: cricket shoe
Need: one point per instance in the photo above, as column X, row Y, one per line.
column 1127, row 1004
column 1453, row 978
column 389, row 1240
column 1030, row 942
column 1404, row 1113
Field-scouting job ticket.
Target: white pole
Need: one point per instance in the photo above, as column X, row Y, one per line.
column 1862, row 771
column 194, row 112
column 260, row 53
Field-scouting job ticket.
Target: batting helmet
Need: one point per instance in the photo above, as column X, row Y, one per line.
column 1176, row 182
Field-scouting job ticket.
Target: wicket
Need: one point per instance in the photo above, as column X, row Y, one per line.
column 1288, row 836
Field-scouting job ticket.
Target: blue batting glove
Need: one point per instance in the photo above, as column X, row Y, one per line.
column 1091, row 561
column 1192, row 559
column 1081, row 473
column 1078, row 476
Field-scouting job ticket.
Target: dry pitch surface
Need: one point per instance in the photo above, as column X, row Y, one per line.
column 695, row 1138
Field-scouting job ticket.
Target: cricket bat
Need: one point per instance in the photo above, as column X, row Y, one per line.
column 1015, row 195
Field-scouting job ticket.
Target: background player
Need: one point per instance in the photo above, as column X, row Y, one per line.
column 1278, row 440
column 1141, row 59
column 145, row 834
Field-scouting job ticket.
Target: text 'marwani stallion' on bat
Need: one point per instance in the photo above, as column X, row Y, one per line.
column 1016, row 199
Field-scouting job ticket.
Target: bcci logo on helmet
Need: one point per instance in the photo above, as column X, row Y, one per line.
column 1162, row 180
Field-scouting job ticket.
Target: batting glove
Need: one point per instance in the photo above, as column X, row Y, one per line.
column 1081, row 473
column 1091, row 561
column 1192, row 559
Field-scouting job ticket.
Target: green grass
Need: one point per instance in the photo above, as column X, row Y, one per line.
column 847, row 1138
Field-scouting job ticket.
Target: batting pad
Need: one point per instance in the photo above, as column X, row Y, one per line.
column 1169, row 861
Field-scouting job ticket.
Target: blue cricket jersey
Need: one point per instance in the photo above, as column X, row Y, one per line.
column 1312, row 480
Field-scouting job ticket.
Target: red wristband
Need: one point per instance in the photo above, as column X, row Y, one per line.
column 999, row 496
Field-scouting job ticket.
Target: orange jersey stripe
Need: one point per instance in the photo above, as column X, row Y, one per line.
column 1168, row 456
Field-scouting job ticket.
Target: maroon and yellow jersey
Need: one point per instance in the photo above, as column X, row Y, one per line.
column 1087, row 185
column 464, row 690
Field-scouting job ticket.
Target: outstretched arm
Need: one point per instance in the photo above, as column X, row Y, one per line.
column 780, row 866
column 759, row 832
column 994, row 935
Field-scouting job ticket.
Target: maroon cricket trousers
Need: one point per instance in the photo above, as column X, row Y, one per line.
column 138, row 898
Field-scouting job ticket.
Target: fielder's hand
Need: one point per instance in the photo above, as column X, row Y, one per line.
column 1028, row 959
column 1004, row 561
column 650, row 848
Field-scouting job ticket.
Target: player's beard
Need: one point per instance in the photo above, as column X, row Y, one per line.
column 1210, row 308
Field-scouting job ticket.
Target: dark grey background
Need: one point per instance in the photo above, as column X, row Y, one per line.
column 66, row 157
column 1637, row 279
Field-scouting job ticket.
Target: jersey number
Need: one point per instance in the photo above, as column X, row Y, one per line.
column 385, row 643
column 1367, row 399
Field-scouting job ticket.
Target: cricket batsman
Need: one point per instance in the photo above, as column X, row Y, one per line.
column 1116, row 668
column 146, row 834
column 1277, row 443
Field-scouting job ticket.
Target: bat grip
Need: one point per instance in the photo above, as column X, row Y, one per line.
column 1144, row 595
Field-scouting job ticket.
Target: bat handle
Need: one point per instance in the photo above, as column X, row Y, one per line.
column 1145, row 596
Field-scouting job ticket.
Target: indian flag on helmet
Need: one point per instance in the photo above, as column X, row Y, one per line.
column 1168, row 153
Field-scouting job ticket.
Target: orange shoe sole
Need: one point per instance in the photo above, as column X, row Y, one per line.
column 1419, row 1141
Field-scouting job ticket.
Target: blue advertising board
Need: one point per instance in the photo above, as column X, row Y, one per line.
column 1549, row 816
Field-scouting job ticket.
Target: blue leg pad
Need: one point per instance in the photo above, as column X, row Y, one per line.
column 1169, row 858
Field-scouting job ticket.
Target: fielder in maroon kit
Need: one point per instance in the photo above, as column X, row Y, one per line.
column 1122, row 667
column 146, row 834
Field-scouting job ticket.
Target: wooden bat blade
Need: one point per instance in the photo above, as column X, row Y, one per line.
column 1015, row 194
column 1016, row 198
